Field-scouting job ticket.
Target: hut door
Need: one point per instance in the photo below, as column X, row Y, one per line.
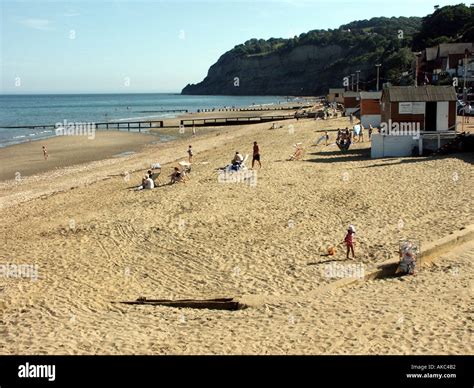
column 442, row 116
column 430, row 116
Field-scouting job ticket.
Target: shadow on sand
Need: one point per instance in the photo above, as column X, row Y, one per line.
column 339, row 156
column 467, row 157
column 364, row 155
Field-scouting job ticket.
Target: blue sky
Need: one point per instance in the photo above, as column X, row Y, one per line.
column 153, row 45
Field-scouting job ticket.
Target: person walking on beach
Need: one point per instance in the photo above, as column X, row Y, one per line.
column 349, row 241
column 45, row 153
column 326, row 135
column 190, row 154
column 351, row 118
column 256, row 154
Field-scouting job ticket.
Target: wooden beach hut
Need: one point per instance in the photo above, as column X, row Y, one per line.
column 351, row 102
column 370, row 113
column 421, row 118
column 336, row 95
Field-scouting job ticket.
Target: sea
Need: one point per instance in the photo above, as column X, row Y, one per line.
column 49, row 109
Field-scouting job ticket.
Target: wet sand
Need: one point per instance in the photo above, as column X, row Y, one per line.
column 27, row 158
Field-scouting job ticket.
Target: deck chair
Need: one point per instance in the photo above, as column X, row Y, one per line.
column 185, row 166
column 156, row 172
column 242, row 165
column 231, row 168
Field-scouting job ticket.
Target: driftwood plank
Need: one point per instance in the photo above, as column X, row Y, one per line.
column 213, row 304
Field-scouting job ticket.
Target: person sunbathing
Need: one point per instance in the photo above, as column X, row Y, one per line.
column 298, row 154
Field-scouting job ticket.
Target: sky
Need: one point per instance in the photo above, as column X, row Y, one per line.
column 154, row 45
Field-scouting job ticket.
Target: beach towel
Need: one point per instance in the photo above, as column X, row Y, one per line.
column 321, row 139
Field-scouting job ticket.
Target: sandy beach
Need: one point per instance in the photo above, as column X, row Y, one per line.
column 96, row 242
column 63, row 151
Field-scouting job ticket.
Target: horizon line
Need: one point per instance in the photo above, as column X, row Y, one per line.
column 75, row 93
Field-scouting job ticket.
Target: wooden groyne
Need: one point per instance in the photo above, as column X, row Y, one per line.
column 256, row 109
column 201, row 122
column 130, row 125
column 164, row 111
column 117, row 125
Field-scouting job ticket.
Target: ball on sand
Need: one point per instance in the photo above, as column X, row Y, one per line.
column 331, row 251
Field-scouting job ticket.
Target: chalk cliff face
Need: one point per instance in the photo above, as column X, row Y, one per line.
column 305, row 70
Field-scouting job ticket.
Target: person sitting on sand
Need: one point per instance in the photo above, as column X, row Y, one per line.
column 407, row 255
column 147, row 183
column 298, row 152
column 237, row 160
column 177, row 176
column 153, row 176
column 349, row 241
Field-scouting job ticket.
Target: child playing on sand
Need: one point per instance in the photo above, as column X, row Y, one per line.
column 407, row 254
column 45, row 153
column 349, row 241
column 190, row 153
